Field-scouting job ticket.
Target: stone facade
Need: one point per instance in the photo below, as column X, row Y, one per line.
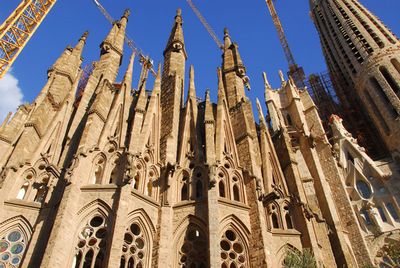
column 128, row 177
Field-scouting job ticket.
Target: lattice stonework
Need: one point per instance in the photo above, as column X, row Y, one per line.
column 19, row 27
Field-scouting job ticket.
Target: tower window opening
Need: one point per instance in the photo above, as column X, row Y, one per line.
column 289, row 223
column 392, row 211
column 396, row 64
column 390, row 80
column 383, row 96
column 382, row 214
column 377, row 112
column 236, row 194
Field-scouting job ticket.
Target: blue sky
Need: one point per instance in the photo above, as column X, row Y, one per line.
column 150, row 23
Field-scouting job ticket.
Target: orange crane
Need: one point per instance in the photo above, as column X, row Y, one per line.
column 143, row 58
column 19, row 27
column 295, row 71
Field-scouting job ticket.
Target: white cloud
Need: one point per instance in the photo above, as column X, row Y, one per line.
column 10, row 95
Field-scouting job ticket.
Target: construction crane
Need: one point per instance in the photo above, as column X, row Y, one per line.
column 143, row 58
column 295, row 71
column 19, row 27
column 205, row 24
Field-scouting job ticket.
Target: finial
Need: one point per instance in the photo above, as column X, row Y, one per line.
column 179, row 12
column 281, row 75
column 266, row 82
column 226, row 31
column 208, row 94
column 127, row 12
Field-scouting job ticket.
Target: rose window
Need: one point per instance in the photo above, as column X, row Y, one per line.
column 232, row 251
column 12, row 246
column 134, row 248
column 193, row 252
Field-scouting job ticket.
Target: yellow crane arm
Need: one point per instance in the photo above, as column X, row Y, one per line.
column 19, row 27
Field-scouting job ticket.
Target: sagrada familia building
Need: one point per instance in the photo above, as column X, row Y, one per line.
column 123, row 177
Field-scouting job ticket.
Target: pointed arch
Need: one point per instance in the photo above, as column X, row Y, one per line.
column 98, row 169
column 138, row 239
column 282, row 251
column 189, row 234
column 234, row 239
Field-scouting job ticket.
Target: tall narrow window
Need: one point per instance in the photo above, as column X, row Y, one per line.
column 41, row 193
column 184, row 192
column 98, row 172
column 199, row 189
column 221, row 187
column 114, row 174
column 289, row 223
column 22, row 192
column 377, row 112
column 384, row 97
column 396, row 64
column 88, row 259
column 382, row 214
column 236, row 194
column 136, row 181
column 390, row 80
column 193, row 248
column 275, row 223
column 392, row 211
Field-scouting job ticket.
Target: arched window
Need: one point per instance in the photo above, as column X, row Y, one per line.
column 12, row 248
column 135, row 247
column 233, row 250
column 221, row 187
column 184, row 192
column 91, row 247
column 236, row 194
column 392, row 211
column 199, row 189
column 193, row 249
column 275, row 222
column 22, row 192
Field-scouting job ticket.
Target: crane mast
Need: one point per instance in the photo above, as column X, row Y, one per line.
column 143, row 59
column 295, row 71
column 19, row 27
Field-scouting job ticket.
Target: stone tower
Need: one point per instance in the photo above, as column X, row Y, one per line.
column 363, row 58
column 131, row 177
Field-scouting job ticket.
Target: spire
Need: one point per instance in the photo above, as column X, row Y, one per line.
column 176, row 40
column 208, row 113
column 192, row 88
column 129, row 72
column 263, row 123
column 221, row 93
column 81, row 43
column 115, row 38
